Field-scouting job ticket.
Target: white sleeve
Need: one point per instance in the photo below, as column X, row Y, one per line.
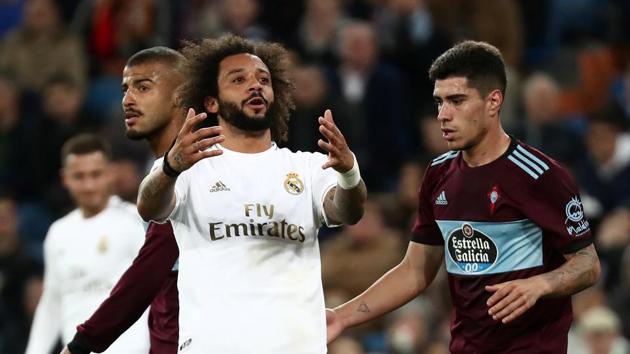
column 321, row 182
column 46, row 327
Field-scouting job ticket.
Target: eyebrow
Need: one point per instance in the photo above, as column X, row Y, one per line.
column 239, row 70
column 451, row 97
column 137, row 81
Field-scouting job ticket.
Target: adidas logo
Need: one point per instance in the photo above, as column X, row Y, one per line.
column 441, row 199
column 219, row 187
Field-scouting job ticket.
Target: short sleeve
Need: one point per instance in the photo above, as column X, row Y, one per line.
column 557, row 209
column 322, row 181
column 425, row 230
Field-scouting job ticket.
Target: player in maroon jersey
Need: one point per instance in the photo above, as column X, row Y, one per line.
column 505, row 218
column 150, row 80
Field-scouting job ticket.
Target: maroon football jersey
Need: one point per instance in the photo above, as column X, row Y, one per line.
column 150, row 280
column 510, row 219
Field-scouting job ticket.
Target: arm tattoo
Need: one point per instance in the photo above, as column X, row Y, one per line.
column 178, row 158
column 363, row 307
column 580, row 271
column 345, row 205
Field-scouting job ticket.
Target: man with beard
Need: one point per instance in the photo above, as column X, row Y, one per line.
column 245, row 212
column 150, row 79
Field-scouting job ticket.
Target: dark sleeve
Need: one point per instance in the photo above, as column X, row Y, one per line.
column 134, row 291
column 557, row 208
column 425, row 230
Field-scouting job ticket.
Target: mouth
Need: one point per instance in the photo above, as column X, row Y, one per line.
column 447, row 133
column 132, row 116
column 257, row 103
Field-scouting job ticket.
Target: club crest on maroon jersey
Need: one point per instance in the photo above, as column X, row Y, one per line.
column 494, row 197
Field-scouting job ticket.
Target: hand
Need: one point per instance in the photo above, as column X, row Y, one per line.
column 191, row 146
column 65, row 350
column 334, row 327
column 339, row 155
column 512, row 298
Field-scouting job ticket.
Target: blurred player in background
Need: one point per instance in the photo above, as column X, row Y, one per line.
column 86, row 251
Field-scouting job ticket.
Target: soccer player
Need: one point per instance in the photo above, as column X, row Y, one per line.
column 150, row 79
column 506, row 219
column 86, row 251
column 245, row 212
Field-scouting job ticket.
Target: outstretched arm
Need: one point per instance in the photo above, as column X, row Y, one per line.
column 511, row 299
column 394, row 289
column 344, row 203
column 156, row 196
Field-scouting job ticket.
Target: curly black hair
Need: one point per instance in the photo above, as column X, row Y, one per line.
column 479, row 62
column 202, row 71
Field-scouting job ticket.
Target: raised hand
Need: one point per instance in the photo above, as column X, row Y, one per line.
column 191, row 146
column 339, row 155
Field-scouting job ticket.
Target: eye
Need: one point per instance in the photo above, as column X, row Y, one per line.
column 238, row 80
column 265, row 80
column 143, row 88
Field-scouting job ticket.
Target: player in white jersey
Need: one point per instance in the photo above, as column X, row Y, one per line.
column 246, row 213
column 86, row 251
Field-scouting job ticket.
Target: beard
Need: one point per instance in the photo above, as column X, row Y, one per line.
column 234, row 115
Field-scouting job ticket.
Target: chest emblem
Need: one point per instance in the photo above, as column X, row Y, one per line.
column 494, row 196
column 472, row 250
column 103, row 245
column 293, row 184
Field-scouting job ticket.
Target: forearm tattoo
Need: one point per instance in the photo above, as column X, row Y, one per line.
column 363, row 307
column 578, row 273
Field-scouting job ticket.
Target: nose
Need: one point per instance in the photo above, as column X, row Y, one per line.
column 128, row 99
column 443, row 113
column 255, row 85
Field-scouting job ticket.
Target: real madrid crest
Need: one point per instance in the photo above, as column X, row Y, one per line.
column 293, row 184
column 102, row 245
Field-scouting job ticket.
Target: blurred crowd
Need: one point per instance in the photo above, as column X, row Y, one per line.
column 568, row 94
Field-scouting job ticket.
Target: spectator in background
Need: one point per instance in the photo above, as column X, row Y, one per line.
column 312, row 96
column 218, row 18
column 604, row 171
column 399, row 207
column 375, row 93
column 42, row 48
column 317, row 34
column 600, row 330
column 62, row 117
column 346, row 345
column 544, row 127
column 115, row 29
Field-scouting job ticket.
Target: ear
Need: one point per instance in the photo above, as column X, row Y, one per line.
column 495, row 100
column 211, row 104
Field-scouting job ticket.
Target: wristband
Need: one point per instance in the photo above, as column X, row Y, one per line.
column 350, row 178
column 167, row 168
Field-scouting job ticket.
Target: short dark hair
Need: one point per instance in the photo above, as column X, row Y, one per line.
column 202, row 72
column 479, row 62
column 156, row 54
column 85, row 143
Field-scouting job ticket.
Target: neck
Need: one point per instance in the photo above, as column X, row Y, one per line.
column 162, row 140
column 494, row 144
column 245, row 141
column 89, row 212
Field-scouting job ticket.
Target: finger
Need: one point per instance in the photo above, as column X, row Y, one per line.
column 330, row 125
column 208, row 142
column 207, row 132
column 330, row 148
column 511, row 307
column 493, row 288
column 207, row 153
column 515, row 314
column 497, row 296
column 329, row 163
column 328, row 116
column 501, row 305
column 329, row 135
column 192, row 120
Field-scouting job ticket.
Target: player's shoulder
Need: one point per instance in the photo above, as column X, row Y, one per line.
column 307, row 157
column 123, row 209
column 442, row 162
column 533, row 164
column 64, row 225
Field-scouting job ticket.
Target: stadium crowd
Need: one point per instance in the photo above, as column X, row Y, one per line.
column 367, row 60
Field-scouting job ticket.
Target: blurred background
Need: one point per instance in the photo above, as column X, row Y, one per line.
column 568, row 94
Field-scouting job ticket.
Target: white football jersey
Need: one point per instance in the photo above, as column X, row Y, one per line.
column 84, row 258
column 249, row 265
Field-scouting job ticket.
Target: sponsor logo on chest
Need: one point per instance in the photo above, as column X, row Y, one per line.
column 472, row 250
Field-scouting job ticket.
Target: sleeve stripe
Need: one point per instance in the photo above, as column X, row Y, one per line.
column 447, row 156
column 521, row 165
column 528, row 162
column 533, row 157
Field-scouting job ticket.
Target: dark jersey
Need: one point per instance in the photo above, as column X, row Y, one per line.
column 510, row 219
column 150, row 280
